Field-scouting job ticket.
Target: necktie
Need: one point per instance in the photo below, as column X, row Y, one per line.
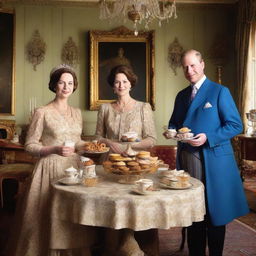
column 193, row 93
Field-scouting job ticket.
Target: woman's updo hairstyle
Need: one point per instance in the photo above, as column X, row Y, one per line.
column 125, row 70
column 56, row 74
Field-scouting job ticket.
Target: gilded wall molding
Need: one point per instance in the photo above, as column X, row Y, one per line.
column 69, row 54
column 35, row 49
column 175, row 51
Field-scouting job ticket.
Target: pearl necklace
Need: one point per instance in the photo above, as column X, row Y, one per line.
column 123, row 106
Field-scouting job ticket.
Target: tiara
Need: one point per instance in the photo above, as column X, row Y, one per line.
column 60, row 67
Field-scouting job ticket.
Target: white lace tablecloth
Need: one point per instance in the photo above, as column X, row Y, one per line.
column 114, row 205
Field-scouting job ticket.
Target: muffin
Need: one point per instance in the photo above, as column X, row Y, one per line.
column 91, row 181
column 86, row 161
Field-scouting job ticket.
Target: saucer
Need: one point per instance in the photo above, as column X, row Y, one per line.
column 144, row 193
column 184, row 139
column 69, row 181
column 176, row 188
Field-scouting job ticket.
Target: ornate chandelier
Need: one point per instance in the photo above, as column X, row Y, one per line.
column 138, row 11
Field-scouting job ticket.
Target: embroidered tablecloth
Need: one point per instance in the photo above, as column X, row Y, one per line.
column 114, row 205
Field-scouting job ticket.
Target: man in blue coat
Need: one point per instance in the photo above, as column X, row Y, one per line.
column 207, row 108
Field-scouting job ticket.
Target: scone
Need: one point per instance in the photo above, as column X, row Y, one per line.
column 113, row 157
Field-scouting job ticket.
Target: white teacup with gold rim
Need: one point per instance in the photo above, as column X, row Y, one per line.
column 144, row 185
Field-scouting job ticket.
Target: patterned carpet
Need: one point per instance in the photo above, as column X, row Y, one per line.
column 240, row 235
column 240, row 241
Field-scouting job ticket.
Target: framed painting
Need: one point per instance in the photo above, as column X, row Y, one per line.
column 7, row 82
column 120, row 46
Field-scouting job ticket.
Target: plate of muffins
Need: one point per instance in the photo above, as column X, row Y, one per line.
column 142, row 163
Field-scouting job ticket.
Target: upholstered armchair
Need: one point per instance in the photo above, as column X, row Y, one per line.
column 167, row 153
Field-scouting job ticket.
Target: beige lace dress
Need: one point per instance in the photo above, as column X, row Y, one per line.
column 34, row 232
column 111, row 124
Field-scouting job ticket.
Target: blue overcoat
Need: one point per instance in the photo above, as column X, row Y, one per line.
column 214, row 113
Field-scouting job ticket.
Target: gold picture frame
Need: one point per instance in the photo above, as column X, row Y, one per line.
column 121, row 46
column 7, row 59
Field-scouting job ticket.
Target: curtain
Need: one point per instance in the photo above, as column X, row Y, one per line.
column 246, row 17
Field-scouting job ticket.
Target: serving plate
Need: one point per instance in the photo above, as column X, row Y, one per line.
column 184, row 139
column 170, row 187
column 68, row 181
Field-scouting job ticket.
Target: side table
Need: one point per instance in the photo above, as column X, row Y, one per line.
column 245, row 147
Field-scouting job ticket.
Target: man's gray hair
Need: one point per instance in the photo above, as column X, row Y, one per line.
column 197, row 54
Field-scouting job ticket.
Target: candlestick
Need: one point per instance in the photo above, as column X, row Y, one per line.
column 30, row 106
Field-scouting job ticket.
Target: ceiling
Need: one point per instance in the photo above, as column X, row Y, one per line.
column 97, row 1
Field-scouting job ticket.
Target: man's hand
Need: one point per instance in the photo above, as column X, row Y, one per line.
column 198, row 140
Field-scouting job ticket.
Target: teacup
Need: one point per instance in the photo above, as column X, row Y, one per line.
column 171, row 133
column 69, row 143
column 144, row 184
column 71, row 173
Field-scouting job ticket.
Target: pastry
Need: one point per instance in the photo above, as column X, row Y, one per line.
column 95, row 146
column 123, row 168
column 107, row 164
column 135, row 168
column 184, row 130
column 113, row 157
column 145, row 166
column 91, row 181
column 118, row 164
column 143, row 154
column 129, row 137
column 132, row 164
column 86, row 161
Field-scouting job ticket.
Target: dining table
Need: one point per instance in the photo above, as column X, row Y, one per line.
column 114, row 205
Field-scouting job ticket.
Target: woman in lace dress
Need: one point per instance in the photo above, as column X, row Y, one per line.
column 114, row 119
column 125, row 114
column 51, row 126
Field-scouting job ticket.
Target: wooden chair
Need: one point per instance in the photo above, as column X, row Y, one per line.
column 16, row 171
column 16, row 165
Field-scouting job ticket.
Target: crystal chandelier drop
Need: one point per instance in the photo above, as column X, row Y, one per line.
column 138, row 11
